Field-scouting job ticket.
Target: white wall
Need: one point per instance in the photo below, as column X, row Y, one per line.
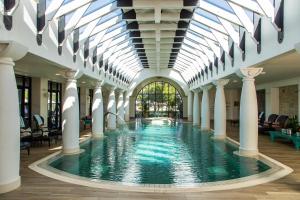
column 40, row 97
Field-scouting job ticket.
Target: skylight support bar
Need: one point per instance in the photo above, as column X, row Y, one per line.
column 52, row 9
column 97, row 15
column 219, row 12
column 210, row 23
column 221, row 40
column 215, row 49
column 106, row 25
column 231, row 31
column 71, row 6
column 248, row 4
column 268, row 8
column 245, row 20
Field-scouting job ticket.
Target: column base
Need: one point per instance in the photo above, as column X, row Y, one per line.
column 10, row 186
column 194, row 124
column 111, row 129
column 73, row 151
column 246, row 153
column 205, row 129
column 98, row 135
column 219, row 137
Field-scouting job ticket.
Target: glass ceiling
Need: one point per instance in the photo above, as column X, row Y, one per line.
column 99, row 23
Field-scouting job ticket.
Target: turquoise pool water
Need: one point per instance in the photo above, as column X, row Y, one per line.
column 159, row 152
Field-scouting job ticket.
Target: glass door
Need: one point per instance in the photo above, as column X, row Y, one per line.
column 54, row 104
column 24, row 92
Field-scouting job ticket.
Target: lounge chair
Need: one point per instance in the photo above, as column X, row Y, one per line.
column 25, row 136
column 25, row 131
column 267, row 124
column 280, row 123
column 47, row 134
column 261, row 118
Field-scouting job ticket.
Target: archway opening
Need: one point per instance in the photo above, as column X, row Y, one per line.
column 159, row 99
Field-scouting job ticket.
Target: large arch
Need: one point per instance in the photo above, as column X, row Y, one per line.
column 137, row 88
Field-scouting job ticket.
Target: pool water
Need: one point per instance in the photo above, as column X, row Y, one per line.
column 159, row 152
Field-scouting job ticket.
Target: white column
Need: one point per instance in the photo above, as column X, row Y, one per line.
column 196, row 116
column 248, row 113
column 205, row 112
column 220, row 110
column 70, row 115
column 190, row 106
column 111, row 107
column 10, row 127
column 120, row 108
column 272, row 101
column 97, row 108
column 126, row 107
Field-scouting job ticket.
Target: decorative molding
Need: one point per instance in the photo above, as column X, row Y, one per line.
column 249, row 73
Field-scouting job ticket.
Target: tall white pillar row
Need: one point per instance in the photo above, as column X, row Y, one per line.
column 205, row 112
column 220, row 109
column 10, row 127
column 248, row 113
column 111, row 107
column 196, row 116
column 97, row 109
column 120, row 108
column 126, row 107
column 70, row 115
column 190, row 106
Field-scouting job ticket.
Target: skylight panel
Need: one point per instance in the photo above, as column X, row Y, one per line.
column 220, row 4
column 206, row 14
column 97, row 5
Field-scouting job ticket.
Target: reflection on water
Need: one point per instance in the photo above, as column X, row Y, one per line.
column 160, row 152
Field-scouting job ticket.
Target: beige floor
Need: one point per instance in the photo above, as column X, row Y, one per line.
column 38, row 187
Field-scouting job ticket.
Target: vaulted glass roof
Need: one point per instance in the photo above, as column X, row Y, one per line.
column 101, row 29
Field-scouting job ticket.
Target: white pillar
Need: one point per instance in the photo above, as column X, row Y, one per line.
column 126, row 107
column 70, row 115
column 190, row 106
column 97, row 108
column 205, row 112
column 220, row 110
column 111, row 107
column 248, row 113
column 120, row 108
column 196, row 116
column 10, row 128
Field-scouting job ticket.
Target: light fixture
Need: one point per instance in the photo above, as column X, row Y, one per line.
column 83, row 82
column 57, row 74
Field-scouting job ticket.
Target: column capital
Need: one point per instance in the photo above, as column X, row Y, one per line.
column 7, row 61
column 249, row 73
column 13, row 50
column 206, row 87
column 196, row 90
column 71, row 74
column 221, row 82
column 98, row 84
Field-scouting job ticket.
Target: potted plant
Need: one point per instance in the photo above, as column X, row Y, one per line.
column 293, row 124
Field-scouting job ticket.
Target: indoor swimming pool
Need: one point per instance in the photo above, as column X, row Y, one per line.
column 158, row 152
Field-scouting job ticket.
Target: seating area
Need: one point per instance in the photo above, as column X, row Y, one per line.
column 280, row 127
column 38, row 135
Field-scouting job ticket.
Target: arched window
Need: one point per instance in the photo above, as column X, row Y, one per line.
column 159, row 99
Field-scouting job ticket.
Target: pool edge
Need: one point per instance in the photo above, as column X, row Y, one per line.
column 253, row 180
